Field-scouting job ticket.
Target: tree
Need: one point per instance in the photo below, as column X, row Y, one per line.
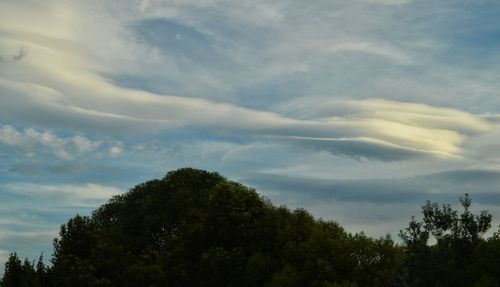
column 196, row 228
column 453, row 260
column 13, row 272
column 28, row 277
column 41, row 272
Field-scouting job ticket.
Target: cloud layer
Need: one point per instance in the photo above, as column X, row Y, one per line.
column 32, row 216
column 333, row 105
column 54, row 79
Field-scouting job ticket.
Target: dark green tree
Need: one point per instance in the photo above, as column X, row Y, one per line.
column 196, row 228
column 24, row 274
column 13, row 272
column 453, row 259
column 41, row 272
column 28, row 278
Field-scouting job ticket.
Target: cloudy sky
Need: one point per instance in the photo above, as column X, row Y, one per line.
column 356, row 110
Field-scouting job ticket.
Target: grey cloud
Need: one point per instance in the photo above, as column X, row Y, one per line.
column 32, row 242
column 230, row 65
column 87, row 99
column 442, row 187
column 178, row 40
column 358, row 149
column 26, row 169
column 49, row 168
column 306, row 189
column 40, row 196
column 22, row 53
column 404, row 134
column 480, row 178
column 31, row 213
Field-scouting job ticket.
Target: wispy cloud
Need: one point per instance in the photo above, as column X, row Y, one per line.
column 84, row 99
column 66, row 194
column 99, row 95
column 418, row 128
column 4, row 255
column 386, row 204
column 33, row 213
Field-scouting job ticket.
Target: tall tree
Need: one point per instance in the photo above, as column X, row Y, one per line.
column 196, row 228
column 13, row 272
column 41, row 272
column 453, row 260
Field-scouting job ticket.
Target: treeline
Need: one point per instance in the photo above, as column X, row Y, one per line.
column 195, row 228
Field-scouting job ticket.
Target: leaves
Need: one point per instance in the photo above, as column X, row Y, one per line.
column 196, row 228
column 459, row 247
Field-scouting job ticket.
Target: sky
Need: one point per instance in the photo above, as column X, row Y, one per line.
column 357, row 110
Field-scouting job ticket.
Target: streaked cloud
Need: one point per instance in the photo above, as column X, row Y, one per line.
column 84, row 99
column 439, row 186
column 27, row 244
column 371, row 204
column 4, row 255
column 336, row 106
column 87, row 100
column 31, row 218
column 401, row 126
column 383, row 50
column 65, row 194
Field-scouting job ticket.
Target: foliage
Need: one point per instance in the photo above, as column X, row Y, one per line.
column 196, row 228
column 25, row 274
column 459, row 251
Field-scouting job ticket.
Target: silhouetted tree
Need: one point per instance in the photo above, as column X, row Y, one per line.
column 196, row 228
column 13, row 272
column 454, row 259
column 41, row 273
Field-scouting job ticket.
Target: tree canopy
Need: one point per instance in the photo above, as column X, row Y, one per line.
column 196, row 228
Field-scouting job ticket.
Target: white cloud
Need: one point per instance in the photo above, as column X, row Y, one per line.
column 62, row 84
column 398, row 125
column 421, row 115
column 389, row 2
column 382, row 50
column 416, row 127
column 87, row 99
column 116, row 150
column 68, row 66
column 33, row 213
column 64, row 193
column 26, row 243
column 4, row 256
column 32, row 142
